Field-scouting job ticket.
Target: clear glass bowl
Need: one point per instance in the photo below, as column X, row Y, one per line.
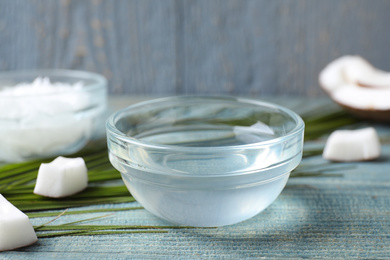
column 37, row 124
column 205, row 161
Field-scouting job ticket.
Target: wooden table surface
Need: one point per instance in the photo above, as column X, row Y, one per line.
column 340, row 217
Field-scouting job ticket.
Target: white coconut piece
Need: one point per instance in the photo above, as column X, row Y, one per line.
column 362, row 98
column 376, row 79
column 355, row 84
column 62, row 177
column 333, row 76
column 356, row 68
column 358, row 71
column 352, row 145
column 15, row 227
column 353, row 70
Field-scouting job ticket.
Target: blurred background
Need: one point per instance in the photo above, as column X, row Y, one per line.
column 169, row 47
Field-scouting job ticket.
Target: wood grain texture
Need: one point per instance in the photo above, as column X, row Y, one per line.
column 167, row 47
column 344, row 217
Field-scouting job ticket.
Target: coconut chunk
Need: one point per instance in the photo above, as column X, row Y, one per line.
column 15, row 227
column 352, row 145
column 375, row 79
column 333, row 75
column 356, row 85
column 363, row 98
column 62, row 177
column 360, row 72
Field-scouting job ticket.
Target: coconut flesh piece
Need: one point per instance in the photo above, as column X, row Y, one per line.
column 15, row 227
column 361, row 72
column 62, row 177
column 352, row 145
column 356, row 85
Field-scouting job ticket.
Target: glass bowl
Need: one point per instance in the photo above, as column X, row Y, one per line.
column 48, row 120
column 205, row 161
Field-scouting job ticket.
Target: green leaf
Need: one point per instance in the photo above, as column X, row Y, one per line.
column 73, row 212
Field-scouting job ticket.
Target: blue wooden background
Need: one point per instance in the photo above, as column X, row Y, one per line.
column 168, row 47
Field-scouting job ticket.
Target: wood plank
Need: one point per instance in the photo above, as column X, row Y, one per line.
column 132, row 43
column 229, row 47
column 276, row 47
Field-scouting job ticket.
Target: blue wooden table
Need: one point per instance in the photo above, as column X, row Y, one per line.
column 338, row 217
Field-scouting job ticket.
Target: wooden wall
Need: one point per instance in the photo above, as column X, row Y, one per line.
column 167, row 47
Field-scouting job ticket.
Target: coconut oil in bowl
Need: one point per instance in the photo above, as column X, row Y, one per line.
column 205, row 161
column 45, row 113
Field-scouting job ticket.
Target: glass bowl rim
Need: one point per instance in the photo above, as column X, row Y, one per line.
column 297, row 130
column 100, row 82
